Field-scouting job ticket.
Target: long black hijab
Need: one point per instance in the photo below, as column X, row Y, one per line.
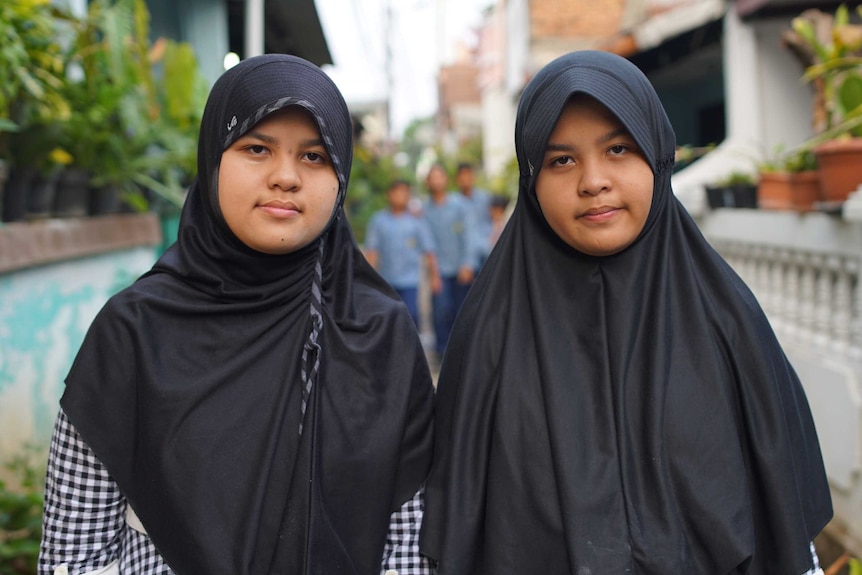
column 623, row 414
column 193, row 383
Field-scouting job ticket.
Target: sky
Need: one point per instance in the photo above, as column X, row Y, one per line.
column 424, row 34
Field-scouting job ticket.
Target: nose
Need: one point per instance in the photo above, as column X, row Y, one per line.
column 594, row 178
column 284, row 174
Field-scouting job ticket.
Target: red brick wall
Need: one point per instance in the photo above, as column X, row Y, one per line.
column 575, row 18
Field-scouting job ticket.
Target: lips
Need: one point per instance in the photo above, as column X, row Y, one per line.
column 281, row 209
column 598, row 212
column 277, row 204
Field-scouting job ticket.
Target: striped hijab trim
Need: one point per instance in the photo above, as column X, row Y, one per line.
column 311, row 349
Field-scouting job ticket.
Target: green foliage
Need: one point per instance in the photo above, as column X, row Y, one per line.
column 835, row 70
column 471, row 151
column 370, row 176
column 21, row 518
column 793, row 161
column 418, row 136
column 131, row 111
column 506, row 182
column 737, row 179
column 855, row 566
column 31, row 66
column 130, row 128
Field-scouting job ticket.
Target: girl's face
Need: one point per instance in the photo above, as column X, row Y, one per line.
column 277, row 186
column 595, row 186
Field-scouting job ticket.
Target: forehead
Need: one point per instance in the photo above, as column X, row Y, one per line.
column 581, row 108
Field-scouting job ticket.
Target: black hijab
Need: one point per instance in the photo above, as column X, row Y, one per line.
column 623, row 414
column 192, row 384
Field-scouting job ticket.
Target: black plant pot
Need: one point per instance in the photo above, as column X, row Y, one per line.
column 720, row 197
column 17, row 192
column 40, row 202
column 744, row 195
column 4, row 177
column 72, row 199
column 733, row 196
column 105, row 200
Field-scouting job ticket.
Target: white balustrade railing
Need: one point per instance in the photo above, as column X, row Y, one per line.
column 810, row 297
column 804, row 270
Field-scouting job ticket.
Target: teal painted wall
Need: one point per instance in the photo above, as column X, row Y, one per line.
column 44, row 315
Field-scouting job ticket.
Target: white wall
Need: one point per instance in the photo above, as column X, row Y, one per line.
column 786, row 101
column 498, row 129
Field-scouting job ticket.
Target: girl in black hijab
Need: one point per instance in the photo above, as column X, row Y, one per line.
column 613, row 399
column 259, row 401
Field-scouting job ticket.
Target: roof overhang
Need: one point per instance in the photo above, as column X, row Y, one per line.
column 768, row 8
column 290, row 27
column 293, row 27
column 664, row 26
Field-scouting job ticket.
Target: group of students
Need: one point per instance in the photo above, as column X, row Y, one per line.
column 612, row 399
column 448, row 238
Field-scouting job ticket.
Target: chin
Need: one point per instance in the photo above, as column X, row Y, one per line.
column 275, row 249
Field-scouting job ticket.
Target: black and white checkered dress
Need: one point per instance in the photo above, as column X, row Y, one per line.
column 85, row 528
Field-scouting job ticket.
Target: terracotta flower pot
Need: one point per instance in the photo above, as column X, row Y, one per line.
column 840, row 167
column 789, row 190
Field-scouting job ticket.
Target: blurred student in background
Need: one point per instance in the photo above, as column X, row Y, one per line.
column 396, row 242
column 450, row 218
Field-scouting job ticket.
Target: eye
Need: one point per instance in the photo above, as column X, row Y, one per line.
column 561, row 161
column 315, row 157
column 618, row 149
column 256, row 149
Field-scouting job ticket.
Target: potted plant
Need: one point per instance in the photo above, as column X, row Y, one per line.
column 737, row 190
column 789, row 181
column 134, row 133
column 30, row 79
column 831, row 48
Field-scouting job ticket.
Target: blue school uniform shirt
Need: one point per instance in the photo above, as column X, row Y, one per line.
column 400, row 241
column 453, row 228
column 480, row 201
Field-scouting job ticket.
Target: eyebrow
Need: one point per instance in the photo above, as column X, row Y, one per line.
column 615, row 133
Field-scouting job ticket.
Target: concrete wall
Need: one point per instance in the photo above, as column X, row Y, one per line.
column 44, row 315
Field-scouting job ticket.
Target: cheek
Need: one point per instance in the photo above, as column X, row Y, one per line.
column 227, row 187
column 554, row 204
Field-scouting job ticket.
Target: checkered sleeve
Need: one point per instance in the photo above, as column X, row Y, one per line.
column 83, row 518
column 84, row 528
column 401, row 553
column 815, row 568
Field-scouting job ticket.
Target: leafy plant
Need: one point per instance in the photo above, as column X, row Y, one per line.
column 31, row 66
column 831, row 48
column 21, row 518
column 130, row 127
column 737, row 179
column 793, row 161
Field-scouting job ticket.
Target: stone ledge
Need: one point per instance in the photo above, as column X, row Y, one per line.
column 28, row 244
